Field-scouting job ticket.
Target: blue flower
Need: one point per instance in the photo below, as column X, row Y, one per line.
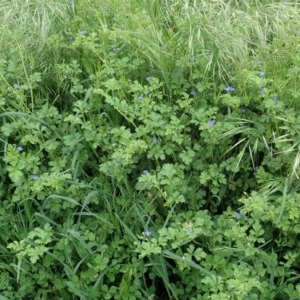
column 148, row 78
column 140, row 97
column 145, row 171
column 238, row 215
column 71, row 37
column 259, row 61
column 193, row 92
column 147, row 232
column 192, row 58
column 16, row 86
column 229, row 89
column 262, row 74
column 83, row 32
column 155, row 140
column 230, row 286
column 243, row 110
column 35, row 177
column 275, row 98
column 211, row 123
column 262, row 90
column 20, row 148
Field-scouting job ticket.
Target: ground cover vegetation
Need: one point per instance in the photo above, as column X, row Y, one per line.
column 149, row 149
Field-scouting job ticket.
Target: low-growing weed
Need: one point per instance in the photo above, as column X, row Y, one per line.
column 149, row 151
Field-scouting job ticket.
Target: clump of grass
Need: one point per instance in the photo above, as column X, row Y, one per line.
column 35, row 20
column 26, row 27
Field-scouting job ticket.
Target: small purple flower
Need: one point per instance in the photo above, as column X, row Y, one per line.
column 20, row 148
column 71, row 37
column 115, row 49
column 155, row 139
column 229, row 89
column 145, row 171
column 35, row 177
column 16, row 86
column 147, row 232
column 275, row 98
column 211, row 122
column 83, row 32
column 262, row 90
column 262, row 74
column 140, row 97
column 259, row 61
column 192, row 58
column 193, row 92
column 243, row 110
column 230, row 286
column 238, row 215
column 148, row 78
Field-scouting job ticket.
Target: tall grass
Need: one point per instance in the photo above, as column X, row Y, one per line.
column 222, row 35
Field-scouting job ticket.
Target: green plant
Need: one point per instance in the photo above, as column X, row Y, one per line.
column 149, row 151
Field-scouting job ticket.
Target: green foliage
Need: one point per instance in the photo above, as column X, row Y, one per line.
column 149, row 151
